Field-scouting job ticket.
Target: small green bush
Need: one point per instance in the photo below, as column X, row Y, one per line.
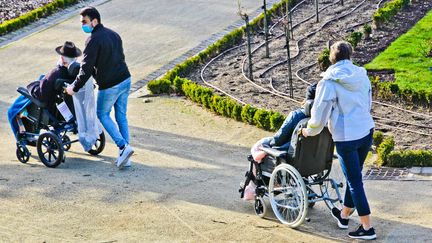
column 324, row 59
column 355, row 38
column 276, row 120
column 378, row 138
column 178, row 83
column 247, row 114
column 367, row 31
column 236, row 111
column 409, row 158
column 262, row 119
column 384, row 150
column 159, row 86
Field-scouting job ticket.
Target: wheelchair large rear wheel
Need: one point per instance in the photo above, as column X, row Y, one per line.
column 99, row 146
column 288, row 196
column 50, row 149
column 333, row 187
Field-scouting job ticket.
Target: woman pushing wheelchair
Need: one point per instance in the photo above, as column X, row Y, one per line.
column 343, row 103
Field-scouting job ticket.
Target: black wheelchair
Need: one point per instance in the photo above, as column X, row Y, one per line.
column 47, row 130
column 290, row 179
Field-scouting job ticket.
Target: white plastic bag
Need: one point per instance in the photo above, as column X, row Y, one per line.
column 89, row 126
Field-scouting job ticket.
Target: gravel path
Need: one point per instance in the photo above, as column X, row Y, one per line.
column 13, row 9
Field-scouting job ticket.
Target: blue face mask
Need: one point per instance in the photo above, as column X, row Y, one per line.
column 86, row 28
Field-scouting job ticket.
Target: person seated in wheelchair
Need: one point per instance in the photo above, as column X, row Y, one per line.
column 46, row 88
column 282, row 140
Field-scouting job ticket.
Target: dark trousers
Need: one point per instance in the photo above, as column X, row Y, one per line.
column 352, row 155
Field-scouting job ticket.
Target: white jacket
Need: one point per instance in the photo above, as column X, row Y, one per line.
column 344, row 101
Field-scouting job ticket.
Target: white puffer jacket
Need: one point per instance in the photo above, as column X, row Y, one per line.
column 344, row 101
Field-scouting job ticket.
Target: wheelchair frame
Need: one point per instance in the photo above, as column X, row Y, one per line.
column 52, row 144
column 290, row 193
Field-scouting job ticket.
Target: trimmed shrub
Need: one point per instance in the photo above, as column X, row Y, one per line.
column 178, row 83
column 409, row 158
column 236, row 111
column 384, row 150
column 378, row 137
column 324, row 59
column 367, row 31
column 159, row 86
column 247, row 114
column 262, row 119
column 355, row 38
column 276, row 120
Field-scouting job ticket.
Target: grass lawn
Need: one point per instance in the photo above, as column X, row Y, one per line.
column 406, row 57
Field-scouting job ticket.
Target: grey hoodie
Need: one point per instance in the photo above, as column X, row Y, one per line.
column 344, row 101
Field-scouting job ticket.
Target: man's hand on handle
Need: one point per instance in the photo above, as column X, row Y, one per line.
column 69, row 89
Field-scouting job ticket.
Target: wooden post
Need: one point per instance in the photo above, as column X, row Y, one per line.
column 342, row 2
column 287, row 39
column 266, row 30
column 317, row 11
column 248, row 32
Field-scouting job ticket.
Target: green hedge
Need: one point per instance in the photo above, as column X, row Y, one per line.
column 409, row 158
column 391, row 90
column 388, row 11
column 384, row 149
column 25, row 19
column 225, row 106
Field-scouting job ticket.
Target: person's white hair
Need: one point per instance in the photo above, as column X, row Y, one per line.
column 69, row 60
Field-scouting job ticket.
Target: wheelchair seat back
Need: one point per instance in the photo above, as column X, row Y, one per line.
column 314, row 154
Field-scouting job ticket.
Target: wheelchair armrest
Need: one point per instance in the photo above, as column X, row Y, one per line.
column 23, row 91
column 274, row 152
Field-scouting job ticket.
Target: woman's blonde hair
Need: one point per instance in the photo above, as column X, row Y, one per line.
column 339, row 51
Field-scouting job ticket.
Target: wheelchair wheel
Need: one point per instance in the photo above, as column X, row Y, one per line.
column 333, row 187
column 99, row 146
column 288, row 196
column 22, row 154
column 50, row 149
column 66, row 142
column 260, row 207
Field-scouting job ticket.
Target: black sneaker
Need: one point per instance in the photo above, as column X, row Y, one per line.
column 363, row 234
column 342, row 223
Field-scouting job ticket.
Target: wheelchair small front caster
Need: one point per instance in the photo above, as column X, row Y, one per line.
column 22, row 153
column 260, row 207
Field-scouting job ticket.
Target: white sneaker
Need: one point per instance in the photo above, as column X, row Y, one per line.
column 128, row 163
column 124, row 156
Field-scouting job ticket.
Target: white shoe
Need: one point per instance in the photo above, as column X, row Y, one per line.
column 128, row 163
column 124, row 156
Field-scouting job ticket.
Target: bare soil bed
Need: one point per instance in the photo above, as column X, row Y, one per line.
column 13, row 9
column 335, row 24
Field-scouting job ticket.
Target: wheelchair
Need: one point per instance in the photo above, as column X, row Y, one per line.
column 47, row 129
column 296, row 179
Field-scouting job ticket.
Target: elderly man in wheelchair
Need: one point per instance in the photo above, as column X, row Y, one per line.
column 43, row 106
column 291, row 170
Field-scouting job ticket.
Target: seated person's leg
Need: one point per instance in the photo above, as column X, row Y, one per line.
column 283, row 135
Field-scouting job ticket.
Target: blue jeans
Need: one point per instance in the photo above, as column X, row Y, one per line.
column 352, row 155
column 283, row 135
column 117, row 97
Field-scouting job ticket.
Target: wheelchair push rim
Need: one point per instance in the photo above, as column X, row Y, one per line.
column 50, row 149
column 288, row 196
